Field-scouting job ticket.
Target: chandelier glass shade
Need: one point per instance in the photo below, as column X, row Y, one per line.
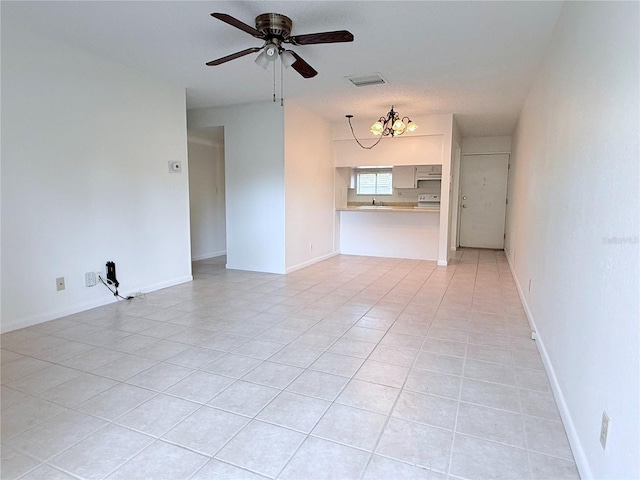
column 393, row 125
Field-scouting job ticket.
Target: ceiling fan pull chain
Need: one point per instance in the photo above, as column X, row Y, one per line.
column 274, row 82
column 281, row 83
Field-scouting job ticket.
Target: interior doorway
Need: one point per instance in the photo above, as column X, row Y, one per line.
column 483, row 200
column 207, row 193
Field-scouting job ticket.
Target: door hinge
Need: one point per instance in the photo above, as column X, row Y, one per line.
column 507, row 201
column 505, row 236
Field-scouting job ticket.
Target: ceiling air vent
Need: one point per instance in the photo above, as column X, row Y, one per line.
column 367, row 80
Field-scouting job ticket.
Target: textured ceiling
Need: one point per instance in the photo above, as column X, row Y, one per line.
column 476, row 60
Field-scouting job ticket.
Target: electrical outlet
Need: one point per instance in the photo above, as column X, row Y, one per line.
column 60, row 283
column 604, row 429
column 90, row 279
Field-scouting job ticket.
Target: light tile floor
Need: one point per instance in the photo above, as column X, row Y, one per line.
column 353, row 368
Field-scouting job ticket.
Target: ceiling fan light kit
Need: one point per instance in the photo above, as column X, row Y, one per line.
column 268, row 54
column 389, row 125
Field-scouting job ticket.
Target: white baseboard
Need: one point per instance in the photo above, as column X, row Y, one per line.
column 161, row 285
column 442, row 263
column 379, row 255
column 204, row 256
column 82, row 307
column 32, row 320
column 574, row 440
column 310, row 262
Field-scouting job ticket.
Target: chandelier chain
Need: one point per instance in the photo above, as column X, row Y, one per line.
column 358, row 141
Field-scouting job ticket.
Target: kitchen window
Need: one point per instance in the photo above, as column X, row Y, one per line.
column 374, row 182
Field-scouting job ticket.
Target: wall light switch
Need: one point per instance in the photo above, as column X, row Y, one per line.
column 175, row 167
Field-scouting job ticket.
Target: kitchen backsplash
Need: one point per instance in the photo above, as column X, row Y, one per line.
column 400, row 195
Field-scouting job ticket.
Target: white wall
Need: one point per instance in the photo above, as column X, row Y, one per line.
column 376, row 233
column 573, row 227
column 408, row 149
column 254, row 182
column 85, row 178
column 480, row 145
column 454, row 186
column 309, row 186
column 206, row 198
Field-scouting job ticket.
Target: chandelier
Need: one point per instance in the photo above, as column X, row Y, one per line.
column 390, row 125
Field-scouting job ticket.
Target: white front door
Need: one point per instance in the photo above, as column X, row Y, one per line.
column 483, row 198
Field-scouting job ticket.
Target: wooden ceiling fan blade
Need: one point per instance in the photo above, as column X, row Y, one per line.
column 337, row 36
column 234, row 22
column 302, row 67
column 233, row 56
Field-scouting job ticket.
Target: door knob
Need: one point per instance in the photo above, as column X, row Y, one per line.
column 464, row 205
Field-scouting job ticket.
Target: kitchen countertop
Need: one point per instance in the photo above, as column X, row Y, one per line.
column 387, row 208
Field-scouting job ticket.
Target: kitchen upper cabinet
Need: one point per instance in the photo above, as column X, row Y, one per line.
column 404, row 176
column 414, row 150
column 426, row 171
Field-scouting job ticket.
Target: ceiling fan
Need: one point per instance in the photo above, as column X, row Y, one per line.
column 275, row 30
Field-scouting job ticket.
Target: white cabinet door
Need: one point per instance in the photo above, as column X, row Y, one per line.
column 425, row 170
column 404, row 177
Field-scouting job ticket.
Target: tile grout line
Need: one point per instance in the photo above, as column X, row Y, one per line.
column 401, row 389
column 307, row 435
column 338, row 395
column 464, row 364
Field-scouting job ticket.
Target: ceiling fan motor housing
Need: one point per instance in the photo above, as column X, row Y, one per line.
column 274, row 25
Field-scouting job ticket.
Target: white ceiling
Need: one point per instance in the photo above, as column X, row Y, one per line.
column 474, row 59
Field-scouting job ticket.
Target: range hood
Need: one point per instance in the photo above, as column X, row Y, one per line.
column 433, row 172
column 428, row 176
